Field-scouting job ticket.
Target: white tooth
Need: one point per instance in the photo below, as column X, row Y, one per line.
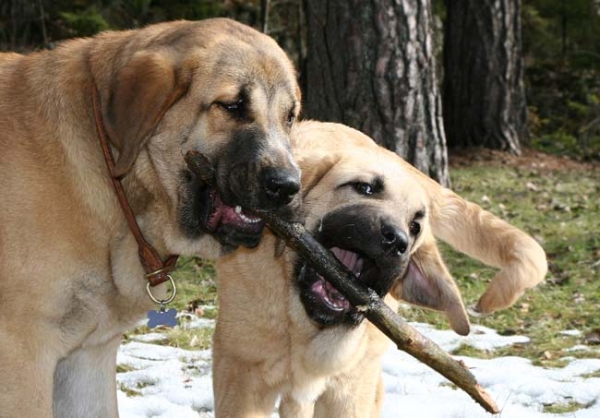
column 249, row 220
column 238, row 209
column 358, row 267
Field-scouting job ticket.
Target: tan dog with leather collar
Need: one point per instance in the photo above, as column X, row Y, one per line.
column 282, row 330
column 217, row 87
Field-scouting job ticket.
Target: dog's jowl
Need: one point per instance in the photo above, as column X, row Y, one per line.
column 70, row 274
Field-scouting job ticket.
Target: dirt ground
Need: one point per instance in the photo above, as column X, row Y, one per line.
column 529, row 158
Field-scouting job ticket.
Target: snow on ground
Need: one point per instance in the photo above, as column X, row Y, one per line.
column 176, row 383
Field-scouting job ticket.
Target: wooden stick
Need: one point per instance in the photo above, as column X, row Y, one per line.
column 366, row 300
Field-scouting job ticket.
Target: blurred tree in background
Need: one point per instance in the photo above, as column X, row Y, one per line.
column 26, row 25
column 561, row 48
column 561, row 43
column 371, row 65
column 483, row 92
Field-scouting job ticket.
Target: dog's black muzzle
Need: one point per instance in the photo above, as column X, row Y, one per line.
column 372, row 245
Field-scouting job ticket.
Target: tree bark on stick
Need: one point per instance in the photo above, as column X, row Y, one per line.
column 366, row 300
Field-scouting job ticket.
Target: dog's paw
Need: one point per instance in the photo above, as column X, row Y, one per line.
column 475, row 312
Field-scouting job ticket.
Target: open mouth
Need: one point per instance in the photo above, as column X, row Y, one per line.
column 232, row 226
column 225, row 215
column 322, row 301
column 326, row 292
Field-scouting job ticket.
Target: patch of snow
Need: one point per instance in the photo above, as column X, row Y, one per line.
column 174, row 383
column 578, row 347
column 480, row 337
column 151, row 337
column 570, row 333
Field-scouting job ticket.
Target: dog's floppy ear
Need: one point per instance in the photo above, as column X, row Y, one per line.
column 478, row 233
column 314, row 167
column 142, row 91
column 427, row 283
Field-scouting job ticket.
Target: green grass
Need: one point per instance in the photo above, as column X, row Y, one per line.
column 564, row 408
column 189, row 339
column 123, row 368
column 561, row 210
column 129, row 392
column 195, row 280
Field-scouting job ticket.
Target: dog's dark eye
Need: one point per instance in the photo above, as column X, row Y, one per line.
column 236, row 109
column 415, row 228
column 363, row 188
column 290, row 118
column 375, row 186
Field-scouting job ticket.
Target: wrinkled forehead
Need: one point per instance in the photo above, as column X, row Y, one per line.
column 339, row 154
column 235, row 64
column 311, row 137
column 369, row 162
column 379, row 165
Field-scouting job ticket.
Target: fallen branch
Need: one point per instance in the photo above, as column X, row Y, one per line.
column 366, row 300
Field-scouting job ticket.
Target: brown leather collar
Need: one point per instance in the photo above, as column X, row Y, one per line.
column 156, row 270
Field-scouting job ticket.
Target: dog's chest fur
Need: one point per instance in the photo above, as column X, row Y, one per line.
column 295, row 355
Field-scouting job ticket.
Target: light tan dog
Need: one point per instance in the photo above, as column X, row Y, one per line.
column 284, row 331
column 71, row 280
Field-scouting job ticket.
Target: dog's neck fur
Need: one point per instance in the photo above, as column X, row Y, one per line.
column 295, row 342
column 69, row 126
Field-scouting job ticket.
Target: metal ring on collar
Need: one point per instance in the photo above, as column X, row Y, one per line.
column 167, row 300
column 157, row 272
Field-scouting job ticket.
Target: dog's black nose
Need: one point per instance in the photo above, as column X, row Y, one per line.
column 393, row 240
column 281, row 185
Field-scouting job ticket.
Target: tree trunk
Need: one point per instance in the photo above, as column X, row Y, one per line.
column 483, row 93
column 370, row 65
column 264, row 14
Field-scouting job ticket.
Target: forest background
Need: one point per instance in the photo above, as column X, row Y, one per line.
column 560, row 49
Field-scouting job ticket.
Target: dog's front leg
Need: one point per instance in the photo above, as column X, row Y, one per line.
column 290, row 408
column 356, row 393
column 239, row 389
column 26, row 369
column 85, row 382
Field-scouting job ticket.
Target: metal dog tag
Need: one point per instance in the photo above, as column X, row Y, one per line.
column 162, row 317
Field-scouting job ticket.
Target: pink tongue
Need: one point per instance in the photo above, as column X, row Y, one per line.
column 228, row 215
column 349, row 259
column 215, row 217
column 330, row 294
